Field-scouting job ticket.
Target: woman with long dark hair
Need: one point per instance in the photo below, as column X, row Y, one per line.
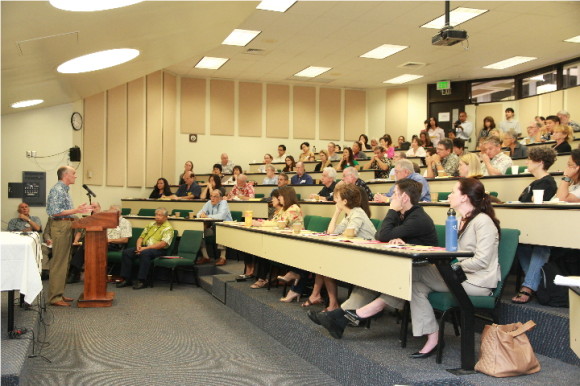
column 488, row 126
column 161, row 189
column 347, row 159
column 214, row 182
column 290, row 164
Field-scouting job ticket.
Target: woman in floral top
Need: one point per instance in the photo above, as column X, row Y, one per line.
column 287, row 209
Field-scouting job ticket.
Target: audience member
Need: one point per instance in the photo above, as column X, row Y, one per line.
column 235, row 173
column 350, row 176
column 425, row 139
column 214, row 182
column 463, row 128
column 267, row 161
column 364, row 140
column 405, row 169
column 562, row 134
column 488, row 126
column 403, row 144
column 188, row 167
column 217, row 170
column 242, row 190
column 495, row 162
column 534, row 134
column 445, row 162
column 565, row 120
column 161, row 189
column 569, row 189
column 324, row 161
column 399, row 155
column 332, row 154
column 549, row 124
column 470, row 166
column 450, row 134
column 417, row 149
column 380, row 163
column 516, row 149
column 328, row 180
column 347, row 159
column 387, row 143
column 271, row 177
column 533, row 257
column 24, row 222
column 509, row 123
column 290, row 164
column 189, row 190
column 153, row 243
column 357, row 152
column 218, row 209
column 281, row 154
column 283, row 180
column 374, row 143
column 301, row 177
column 227, row 164
column 306, row 154
column 434, row 132
column 459, row 147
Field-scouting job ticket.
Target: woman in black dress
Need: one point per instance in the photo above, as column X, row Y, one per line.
column 160, row 189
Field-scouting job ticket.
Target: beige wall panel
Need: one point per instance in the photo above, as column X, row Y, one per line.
column 556, row 102
column 573, row 103
column 117, row 136
column 329, row 113
column 355, row 112
column 94, row 139
column 193, row 104
column 136, row 126
column 169, row 123
column 221, row 107
column 528, row 109
column 250, row 109
column 396, row 112
column 154, row 145
column 494, row 110
column 278, row 111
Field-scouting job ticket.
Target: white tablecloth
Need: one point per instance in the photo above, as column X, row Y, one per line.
column 20, row 269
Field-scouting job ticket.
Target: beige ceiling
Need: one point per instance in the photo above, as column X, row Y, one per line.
column 36, row 38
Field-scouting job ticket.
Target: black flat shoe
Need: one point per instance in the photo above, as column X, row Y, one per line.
column 122, row 284
column 420, row 355
column 139, row 285
column 313, row 315
column 334, row 321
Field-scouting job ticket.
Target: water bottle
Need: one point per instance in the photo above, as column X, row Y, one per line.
column 451, row 231
column 314, row 148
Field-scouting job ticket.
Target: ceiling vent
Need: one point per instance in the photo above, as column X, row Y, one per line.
column 412, row 65
column 255, row 51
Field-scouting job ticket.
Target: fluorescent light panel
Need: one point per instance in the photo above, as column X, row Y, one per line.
column 456, row 17
column 575, row 39
column 91, row 5
column 383, row 51
column 98, row 61
column 312, row 71
column 28, row 103
column 211, row 63
column 510, row 62
column 240, row 37
column 403, row 79
column 275, row 5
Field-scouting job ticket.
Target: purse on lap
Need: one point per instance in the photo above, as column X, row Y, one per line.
column 506, row 351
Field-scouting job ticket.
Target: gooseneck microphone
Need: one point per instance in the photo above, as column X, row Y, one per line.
column 89, row 191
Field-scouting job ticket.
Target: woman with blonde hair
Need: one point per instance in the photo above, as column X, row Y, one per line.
column 324, row 161
column 470, row 166
column 562, row 135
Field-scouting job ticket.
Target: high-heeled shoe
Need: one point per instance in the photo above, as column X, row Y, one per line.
column 309, row 302
column 290, row 297
column 260, row 283
column 290, row 276
column 421, row 355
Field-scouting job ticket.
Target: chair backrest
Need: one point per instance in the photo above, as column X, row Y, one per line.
column 521, row 169
column 440, row 229
column 135, row 233
column 190, row 244
column 236, row 215
column 259, row 195
column 182, row 212
column 376, row 223
column 508, row 244
column 319, row 224
column 442, row 196
column 171, row 248
column 125, row 211
column 146, row 212
column 307, row 219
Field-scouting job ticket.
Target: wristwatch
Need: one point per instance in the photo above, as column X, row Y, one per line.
column 567, row 179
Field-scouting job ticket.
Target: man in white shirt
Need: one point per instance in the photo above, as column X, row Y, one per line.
column 281, row 154
column 332, row 155
column 227, row 165
column 494, row 161
column 510, row 123
column 463, row 128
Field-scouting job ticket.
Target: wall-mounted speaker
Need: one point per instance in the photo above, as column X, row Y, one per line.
column 74, row 154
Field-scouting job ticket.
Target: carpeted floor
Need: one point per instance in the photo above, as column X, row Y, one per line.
column 158, row 337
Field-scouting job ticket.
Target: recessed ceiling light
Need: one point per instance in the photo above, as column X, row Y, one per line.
column 240, row 37
column 211, row 63
column 510, row 62
column 28, row 103
column 275, row 5
column 98, row 60
column 383, row 51
column 91, row 5
column 456, row 17
column 575, row 39
column 311, row 72
column 403, row 79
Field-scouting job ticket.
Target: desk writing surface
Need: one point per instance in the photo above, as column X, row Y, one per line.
column 20, row 269
column 259, row 208
column 178, row 224
column 373, row 266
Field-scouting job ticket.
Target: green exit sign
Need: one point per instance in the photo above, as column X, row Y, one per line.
column 444, row 85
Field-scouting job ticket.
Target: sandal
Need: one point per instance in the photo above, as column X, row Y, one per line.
column 261, row 283
column 520, row 295
column 309, row 302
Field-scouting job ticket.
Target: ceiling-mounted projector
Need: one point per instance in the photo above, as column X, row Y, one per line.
column 449, row 36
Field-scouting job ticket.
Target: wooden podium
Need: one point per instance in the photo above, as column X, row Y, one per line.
column 95, row 292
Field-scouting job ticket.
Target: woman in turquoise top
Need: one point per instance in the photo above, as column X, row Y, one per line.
column 347, row 159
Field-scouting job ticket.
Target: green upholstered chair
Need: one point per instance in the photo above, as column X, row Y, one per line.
column 307, row 219
column 440, row 229
column 237, row 215
column 114, row 257
column 125, row 211
column 146, row 212
column 299, row 196
column 183, row 212
column 319, row 224
column 187, row 250
column 485, row 306
column 377, row 223
column 521, row 169
column 442, row 196
column 259, row 195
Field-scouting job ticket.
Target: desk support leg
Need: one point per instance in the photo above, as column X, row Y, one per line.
column 467, row 321
column 10, row 323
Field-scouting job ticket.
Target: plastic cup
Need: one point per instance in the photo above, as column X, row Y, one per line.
column 515, row 169
column 297, row 227
column 349, row 232
column 538, row 196
column 191, row 215
column 281, row 224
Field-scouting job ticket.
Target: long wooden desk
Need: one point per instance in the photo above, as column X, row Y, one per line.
column 553, row 225
column 259, row 208
column 373, row 266
column 179, row 224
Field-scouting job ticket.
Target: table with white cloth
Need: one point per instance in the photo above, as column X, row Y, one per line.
column 20, row 259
